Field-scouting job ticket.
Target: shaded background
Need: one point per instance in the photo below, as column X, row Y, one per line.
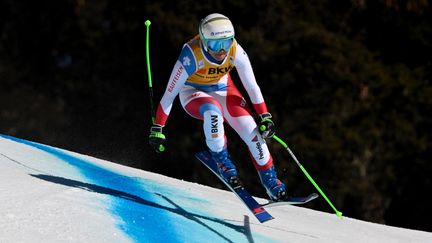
column 348, row 84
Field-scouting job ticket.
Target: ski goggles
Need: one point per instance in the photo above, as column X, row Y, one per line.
column 221, row 44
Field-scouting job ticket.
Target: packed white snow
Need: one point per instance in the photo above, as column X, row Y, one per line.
column 52, row 195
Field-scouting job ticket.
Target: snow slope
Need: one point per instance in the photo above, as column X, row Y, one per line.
column 52, row 195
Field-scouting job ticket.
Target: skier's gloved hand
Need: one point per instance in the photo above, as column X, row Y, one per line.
column 266, row 126
column 157, row 138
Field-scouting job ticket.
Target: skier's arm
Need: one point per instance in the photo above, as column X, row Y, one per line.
column 183, row 68
column 247, row 77
column 244, row 69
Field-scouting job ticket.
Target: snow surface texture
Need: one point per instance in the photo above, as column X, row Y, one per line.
column 52, row 195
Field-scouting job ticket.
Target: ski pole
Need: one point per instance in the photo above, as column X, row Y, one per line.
column 338, row 213
column 147, row 24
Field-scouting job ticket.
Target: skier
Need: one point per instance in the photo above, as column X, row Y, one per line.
column 207, row 92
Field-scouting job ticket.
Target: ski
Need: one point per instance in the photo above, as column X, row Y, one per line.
column 254, row 207
column 291, row 201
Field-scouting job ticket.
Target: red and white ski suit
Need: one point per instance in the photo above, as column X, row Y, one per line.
column 208, row 93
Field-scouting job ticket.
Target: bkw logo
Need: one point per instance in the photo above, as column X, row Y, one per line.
column 219, row 70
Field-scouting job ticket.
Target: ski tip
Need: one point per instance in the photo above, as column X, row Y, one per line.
column 263, row 216
column 265, row 220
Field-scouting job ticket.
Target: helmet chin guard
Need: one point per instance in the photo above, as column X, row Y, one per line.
column 215, row 27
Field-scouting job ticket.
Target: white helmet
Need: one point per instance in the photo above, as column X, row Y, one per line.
column 216, row 27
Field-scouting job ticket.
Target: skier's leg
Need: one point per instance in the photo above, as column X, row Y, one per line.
column 201, row 105
column 238, row 115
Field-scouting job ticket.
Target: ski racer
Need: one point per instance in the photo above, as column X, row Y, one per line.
column 201, row 78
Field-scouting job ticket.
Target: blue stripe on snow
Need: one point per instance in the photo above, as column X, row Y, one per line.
column 149, row 211
column 142, row 219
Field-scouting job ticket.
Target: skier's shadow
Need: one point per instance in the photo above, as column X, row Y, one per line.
column 245, row 229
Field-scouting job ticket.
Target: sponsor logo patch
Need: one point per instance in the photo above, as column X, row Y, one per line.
column 214, row 126
column 260, row 150
column 219, row 70
column 259, row 147
column 175, row 79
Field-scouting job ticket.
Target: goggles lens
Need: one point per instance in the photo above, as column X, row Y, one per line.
column 217, row 45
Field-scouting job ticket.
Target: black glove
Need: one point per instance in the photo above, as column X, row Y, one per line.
column 266, row 126
column 157, row 138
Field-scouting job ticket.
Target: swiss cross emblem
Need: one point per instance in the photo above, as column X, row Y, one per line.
column 186, row 61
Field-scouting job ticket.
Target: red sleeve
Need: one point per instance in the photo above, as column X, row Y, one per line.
column 161, row 117
column 260, row 108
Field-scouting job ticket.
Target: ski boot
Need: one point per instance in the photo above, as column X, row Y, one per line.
column 274, row 187
column 226, row 168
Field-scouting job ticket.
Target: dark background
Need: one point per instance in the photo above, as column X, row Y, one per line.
column 348, row 84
